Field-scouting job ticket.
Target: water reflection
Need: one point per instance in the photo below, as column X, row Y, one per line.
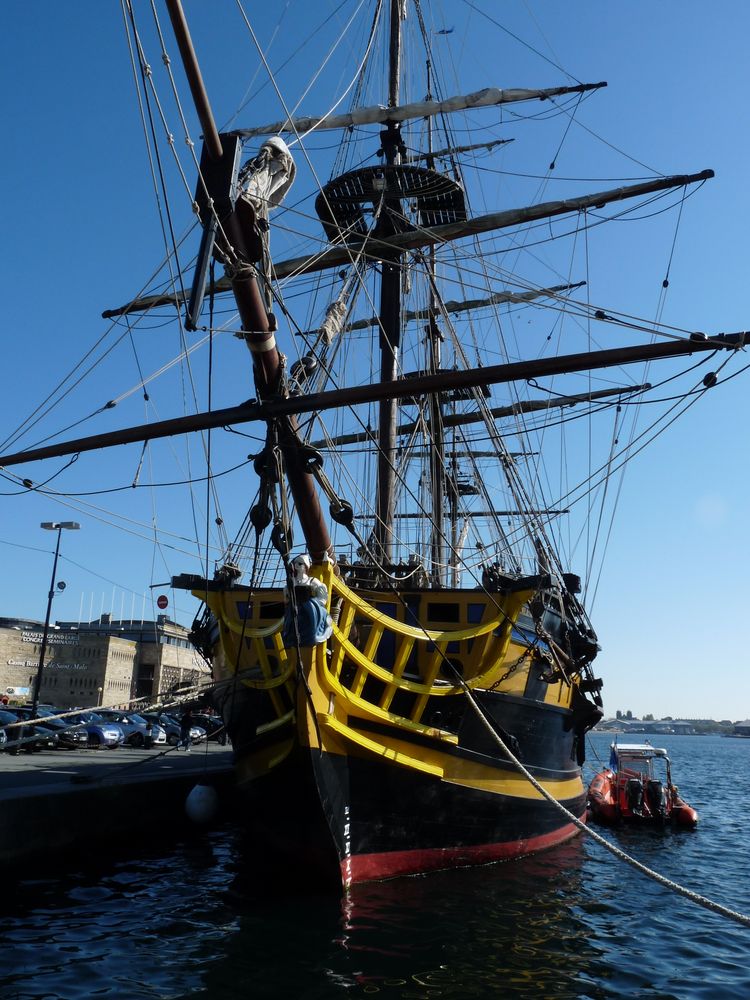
column 214, row 915
column 470, row 933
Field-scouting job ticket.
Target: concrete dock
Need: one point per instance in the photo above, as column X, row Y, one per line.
column 58, row 803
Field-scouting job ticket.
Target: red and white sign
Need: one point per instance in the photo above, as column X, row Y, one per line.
column 162, row 601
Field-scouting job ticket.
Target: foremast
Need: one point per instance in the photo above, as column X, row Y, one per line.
column 258, row 324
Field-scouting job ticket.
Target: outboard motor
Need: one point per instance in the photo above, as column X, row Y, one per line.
column 634, row 796
column 656, row 798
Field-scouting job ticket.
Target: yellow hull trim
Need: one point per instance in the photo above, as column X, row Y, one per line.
column 455, row 770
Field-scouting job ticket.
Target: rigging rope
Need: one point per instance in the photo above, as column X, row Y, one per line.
column 621, row 855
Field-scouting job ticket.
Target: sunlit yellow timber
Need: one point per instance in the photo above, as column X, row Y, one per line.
column 512, row 784
column 379, row 668
column 450, row 768
column 373, row 649
column 379, row 749
column 245, row 641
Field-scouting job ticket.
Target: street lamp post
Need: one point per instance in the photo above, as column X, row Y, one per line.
column 58, row 527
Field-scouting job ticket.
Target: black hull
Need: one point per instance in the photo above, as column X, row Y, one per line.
column 398, row 822
column 388, row 820
column 373, row 819
column 282, row 813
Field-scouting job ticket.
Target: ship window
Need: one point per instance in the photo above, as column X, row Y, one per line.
column 453, row 647
column 412, row 610
column 443, row 612
column 271, row 609
column 387, row 609
column 474, row 613
column 386, row 650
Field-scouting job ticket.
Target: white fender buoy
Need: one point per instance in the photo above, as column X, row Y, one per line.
column 202, row 803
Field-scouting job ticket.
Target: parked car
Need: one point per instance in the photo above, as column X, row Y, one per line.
column 214, row 726
column 26, row 738
column 173, row 728
column 100, row 732
column 134, row 727
column 69, row 737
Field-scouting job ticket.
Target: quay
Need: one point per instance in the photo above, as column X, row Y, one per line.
column 55, row 803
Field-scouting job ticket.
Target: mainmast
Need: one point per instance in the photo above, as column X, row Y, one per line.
column 390, row 309
column 434, row 401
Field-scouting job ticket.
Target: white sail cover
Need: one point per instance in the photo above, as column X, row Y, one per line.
column 265, row 180
column 421, row 109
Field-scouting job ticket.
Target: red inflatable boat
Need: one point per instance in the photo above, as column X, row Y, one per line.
column 637, row 786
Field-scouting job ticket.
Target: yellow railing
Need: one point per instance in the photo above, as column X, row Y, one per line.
column 372, row 657
column 415, row 661
column 248, row 648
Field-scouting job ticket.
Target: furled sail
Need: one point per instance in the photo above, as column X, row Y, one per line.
column 488, row 97
column 265, row 180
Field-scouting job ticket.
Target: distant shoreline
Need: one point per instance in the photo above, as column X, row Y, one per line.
column 697, row 730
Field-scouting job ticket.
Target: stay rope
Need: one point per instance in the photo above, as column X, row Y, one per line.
column 681, row 890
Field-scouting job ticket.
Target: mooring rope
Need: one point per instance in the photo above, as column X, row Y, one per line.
column 681, row 890
column 694, row 897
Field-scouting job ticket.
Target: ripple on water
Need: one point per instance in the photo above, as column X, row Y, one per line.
column 208, row 918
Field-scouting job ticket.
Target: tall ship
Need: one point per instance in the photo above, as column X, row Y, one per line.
column 398, row 640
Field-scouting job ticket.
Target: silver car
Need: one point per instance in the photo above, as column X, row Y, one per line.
column 134, row 726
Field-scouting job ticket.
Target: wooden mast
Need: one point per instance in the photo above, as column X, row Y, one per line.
column 258, row 328
column 390, row 314
column 434, row 402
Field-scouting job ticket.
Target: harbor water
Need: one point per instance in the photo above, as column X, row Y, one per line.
column 205, row 914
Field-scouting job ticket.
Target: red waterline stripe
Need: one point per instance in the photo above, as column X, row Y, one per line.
column 371, row 867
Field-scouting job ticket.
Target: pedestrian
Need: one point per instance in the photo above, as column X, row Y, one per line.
column 186, row 724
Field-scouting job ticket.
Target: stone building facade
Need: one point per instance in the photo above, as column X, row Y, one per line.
column 103, row 662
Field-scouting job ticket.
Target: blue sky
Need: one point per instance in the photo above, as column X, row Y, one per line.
column 82, row 234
